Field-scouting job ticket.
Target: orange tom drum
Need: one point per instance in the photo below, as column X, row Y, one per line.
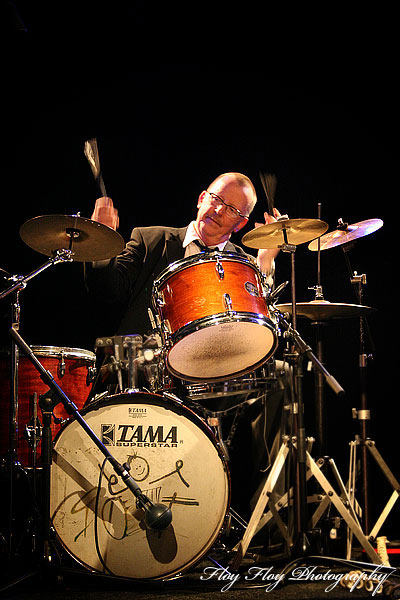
column 72, row 371
column 213, row 317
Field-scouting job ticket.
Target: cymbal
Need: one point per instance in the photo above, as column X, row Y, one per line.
column 298, row 231
column 343, row 236
column 88, row 240
column 322, row 310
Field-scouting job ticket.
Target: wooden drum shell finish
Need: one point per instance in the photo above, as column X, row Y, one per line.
column 214, row 317
column 198, row 292
column 70, row 368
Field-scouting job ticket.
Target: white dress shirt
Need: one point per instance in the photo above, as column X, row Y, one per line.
column 192, row 248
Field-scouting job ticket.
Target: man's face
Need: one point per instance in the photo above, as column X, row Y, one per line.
column 213, row 222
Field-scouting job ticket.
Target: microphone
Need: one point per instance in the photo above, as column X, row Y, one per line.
column 277, row 292
column 156, row 516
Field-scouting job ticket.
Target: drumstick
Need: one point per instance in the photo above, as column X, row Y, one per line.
column 92, row 154
column 269, row 182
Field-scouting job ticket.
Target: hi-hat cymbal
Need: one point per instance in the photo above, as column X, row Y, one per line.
column 322, row 310
column 88, row 240
column 347, row 234
column 272, row 235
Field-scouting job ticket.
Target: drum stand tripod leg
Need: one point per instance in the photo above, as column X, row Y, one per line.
column 370, row 445
column 341, row 503
column 261, row 504
column 345, row 511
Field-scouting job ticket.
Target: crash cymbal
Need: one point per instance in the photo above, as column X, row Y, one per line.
column 347, row 234
column 88, row 240
column 322, row 310
column 272, row 235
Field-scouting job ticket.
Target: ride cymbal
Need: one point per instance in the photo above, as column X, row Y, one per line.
column 346, row 234
column 322, row 310
column 286, row 231
column 87, row 239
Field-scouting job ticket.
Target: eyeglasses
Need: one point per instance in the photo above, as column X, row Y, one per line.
column 231, row 211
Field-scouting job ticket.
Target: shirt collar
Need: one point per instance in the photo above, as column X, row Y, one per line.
column 192, row 235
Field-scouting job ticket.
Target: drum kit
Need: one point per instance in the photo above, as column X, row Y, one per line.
column 136, row 484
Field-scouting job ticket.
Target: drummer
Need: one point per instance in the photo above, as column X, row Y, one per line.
column 127, row 280
column 223, row 208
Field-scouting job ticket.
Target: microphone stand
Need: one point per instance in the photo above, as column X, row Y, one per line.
column 157, row 516
column 19, row 283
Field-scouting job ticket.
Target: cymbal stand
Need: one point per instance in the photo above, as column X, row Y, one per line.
column 363, row 414
column 300, row 504
column 341, row 503
column 19, row 283
column 321, row 442
column 298, row 349
column 365, row 443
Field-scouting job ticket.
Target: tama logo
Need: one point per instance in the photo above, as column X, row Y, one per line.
column 138, row 435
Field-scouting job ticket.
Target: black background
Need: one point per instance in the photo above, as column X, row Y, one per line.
column 326, row 127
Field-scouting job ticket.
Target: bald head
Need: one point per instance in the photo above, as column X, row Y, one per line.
column 234, row 180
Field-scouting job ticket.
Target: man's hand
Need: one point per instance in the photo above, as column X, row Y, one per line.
column 266, row 256
column 105, row 213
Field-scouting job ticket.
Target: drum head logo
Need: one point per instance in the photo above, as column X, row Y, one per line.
column 137, row 435
column 108, row 434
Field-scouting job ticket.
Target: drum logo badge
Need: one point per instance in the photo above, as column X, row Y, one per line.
column 138, row 435
column 251, row 289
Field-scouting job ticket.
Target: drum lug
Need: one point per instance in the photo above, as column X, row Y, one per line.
column 227, row 302
column 33, row 432
column 91, row 375
column 159, row 299
column 166, row 328
column 219, row 268
column 61, row 366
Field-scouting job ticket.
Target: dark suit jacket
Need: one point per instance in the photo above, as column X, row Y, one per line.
column 127, row 282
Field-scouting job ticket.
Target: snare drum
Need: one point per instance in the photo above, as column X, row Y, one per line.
column 214, row 317
column 248, row 385
column 173, row 457
column 72, row 371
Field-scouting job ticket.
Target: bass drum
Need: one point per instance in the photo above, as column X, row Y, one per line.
column 174, row 458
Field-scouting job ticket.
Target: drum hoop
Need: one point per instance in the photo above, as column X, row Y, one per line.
column 189, row 261
column 206, row 429
column 233, row 316
column 58, row 351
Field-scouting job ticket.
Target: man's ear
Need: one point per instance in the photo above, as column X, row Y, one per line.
column 201, row 198
column 240, row 225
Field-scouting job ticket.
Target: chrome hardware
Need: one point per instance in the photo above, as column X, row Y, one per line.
column 159, row 298
column 61, row 366
column 91, row 375
column 219, row 268
column 227, row 302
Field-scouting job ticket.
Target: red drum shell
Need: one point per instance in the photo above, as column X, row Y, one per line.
column 75, row 382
